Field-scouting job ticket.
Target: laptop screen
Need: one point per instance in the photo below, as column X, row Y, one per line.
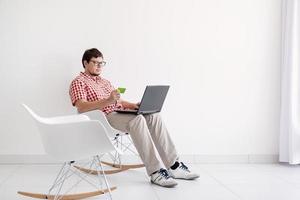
column 153, row 98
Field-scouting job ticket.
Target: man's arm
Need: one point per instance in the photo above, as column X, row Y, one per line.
column 85, row 106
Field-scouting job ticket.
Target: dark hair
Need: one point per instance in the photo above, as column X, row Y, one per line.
column 90, row 53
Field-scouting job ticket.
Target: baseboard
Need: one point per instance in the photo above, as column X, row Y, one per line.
column 27, row 159
column 252, row 158
column 188, row 158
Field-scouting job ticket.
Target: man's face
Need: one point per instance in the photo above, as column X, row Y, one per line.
column 94, row 67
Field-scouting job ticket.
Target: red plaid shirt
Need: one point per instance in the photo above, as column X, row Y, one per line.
column 91, row 88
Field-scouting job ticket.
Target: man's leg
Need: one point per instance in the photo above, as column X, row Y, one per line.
column 167, row 149
column 162, row 139
column 137, row 127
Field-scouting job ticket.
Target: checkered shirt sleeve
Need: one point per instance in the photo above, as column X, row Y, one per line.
column 77, row 91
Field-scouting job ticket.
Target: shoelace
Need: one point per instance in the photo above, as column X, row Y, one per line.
column 164, row 173
column 184, row 167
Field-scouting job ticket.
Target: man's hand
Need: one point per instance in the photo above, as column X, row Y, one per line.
column 134, row 106
column 128, row 105
column 114, row 96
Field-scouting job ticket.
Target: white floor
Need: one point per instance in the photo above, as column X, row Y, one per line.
column 217, row 181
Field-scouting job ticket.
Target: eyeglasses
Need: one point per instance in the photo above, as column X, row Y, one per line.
column 100, row 64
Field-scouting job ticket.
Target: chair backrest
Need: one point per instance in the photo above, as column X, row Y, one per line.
column 72, row 137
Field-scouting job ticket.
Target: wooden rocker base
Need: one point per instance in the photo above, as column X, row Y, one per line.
column 67, row 197
column 134, row 166
column 95, row 172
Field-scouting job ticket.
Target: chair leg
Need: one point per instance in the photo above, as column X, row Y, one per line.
column 66, row 197
column 95, row 172
column 57, row 177
column 125, row 166
column 67, row 170
column 98, row 160
column 116, row 158
column 125, row 147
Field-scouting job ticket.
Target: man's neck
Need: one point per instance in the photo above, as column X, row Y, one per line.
column 92, row 75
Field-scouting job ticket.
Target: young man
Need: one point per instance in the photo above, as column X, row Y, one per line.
column 89, row 91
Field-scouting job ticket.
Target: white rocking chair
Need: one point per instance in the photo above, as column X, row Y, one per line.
column 70, row 138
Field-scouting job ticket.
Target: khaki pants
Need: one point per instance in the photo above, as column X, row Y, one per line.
column 148, row 133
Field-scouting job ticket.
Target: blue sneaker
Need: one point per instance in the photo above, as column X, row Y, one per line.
column 162, row 178
column 183, row 172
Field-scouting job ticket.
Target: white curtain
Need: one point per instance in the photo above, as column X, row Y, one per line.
column 289, row 148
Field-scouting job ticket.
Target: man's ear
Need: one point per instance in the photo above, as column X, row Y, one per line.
column 85, row 63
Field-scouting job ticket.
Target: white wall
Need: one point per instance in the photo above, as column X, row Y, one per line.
column 221, row 58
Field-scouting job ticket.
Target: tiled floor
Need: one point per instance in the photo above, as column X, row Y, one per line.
column 217, row 181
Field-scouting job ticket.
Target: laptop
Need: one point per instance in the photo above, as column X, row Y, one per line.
column 152, row 101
